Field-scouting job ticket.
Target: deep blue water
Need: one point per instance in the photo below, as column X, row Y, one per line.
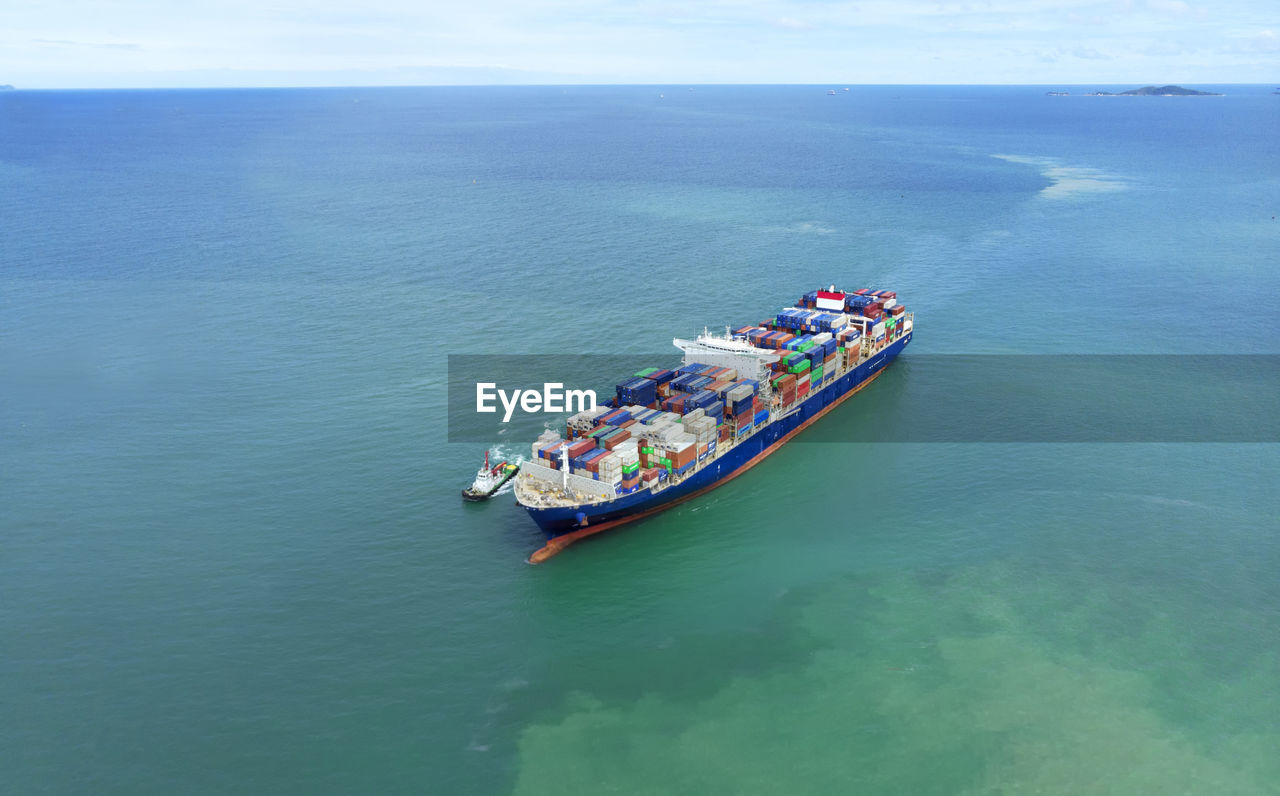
column 231, row 549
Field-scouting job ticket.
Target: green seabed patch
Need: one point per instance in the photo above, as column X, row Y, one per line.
column 997, row 679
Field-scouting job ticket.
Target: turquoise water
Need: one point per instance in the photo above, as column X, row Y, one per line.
column 233, row 554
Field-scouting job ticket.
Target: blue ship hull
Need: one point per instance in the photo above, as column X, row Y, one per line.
column 559, row 521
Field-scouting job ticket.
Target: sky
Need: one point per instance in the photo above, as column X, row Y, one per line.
column 157, row 43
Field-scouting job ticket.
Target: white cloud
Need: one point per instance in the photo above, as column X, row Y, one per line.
column 792, row 24
column 92, row 44
column 1089, row 53
column 755, row 41
column 1174, row 6
column 1265, row 41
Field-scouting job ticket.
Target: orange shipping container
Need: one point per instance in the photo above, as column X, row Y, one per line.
column 681, row 458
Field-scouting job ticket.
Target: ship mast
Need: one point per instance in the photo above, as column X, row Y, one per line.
column 564, row 468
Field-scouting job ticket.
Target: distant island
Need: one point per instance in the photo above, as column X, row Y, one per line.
column 1155, row 91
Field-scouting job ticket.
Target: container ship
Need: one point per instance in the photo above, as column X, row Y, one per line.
column 667, row 436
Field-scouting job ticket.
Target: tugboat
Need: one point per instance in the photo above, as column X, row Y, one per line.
column 490, row 479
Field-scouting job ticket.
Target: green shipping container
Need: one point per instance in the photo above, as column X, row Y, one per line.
column 646, row 372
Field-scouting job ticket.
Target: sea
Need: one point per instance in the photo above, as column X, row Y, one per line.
column 233, row 554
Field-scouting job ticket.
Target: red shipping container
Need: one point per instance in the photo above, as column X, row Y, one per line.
column 579, row 448
column 617, row 439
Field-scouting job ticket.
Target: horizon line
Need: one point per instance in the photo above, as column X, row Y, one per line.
column 825, row 84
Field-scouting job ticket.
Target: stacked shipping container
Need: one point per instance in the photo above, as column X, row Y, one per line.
column 661, row 422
